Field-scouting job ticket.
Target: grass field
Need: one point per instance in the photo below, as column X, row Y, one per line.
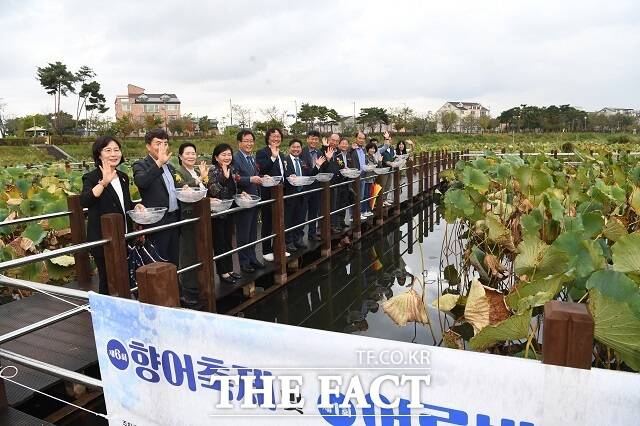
column 528, row 142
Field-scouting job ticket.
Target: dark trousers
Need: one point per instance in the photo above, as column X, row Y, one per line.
column 102, row 274
column 221, row 228
column 246, row 232
column 312, row 210
column 294, row 215
column 339, row 199
column 265, row 230
column 168, row 242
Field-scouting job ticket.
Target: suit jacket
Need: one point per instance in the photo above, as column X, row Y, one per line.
column 268, row 167
column 291, row 170
column 186, row 178
column 148, row 178
column 107, row 202
column 245, row 169
column 355, row 159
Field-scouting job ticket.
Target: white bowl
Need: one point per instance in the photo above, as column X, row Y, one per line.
column 369, row 167
column 350, row 173
column 397, row 163
column 218, row 205
column 381, row 170
column 301, row 180
column 190, row 195
column 148, row 215
column 324, row 177
column 246, row 201
column 269, row 181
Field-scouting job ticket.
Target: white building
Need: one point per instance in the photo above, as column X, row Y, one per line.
column 462, row 110
column 607, row 111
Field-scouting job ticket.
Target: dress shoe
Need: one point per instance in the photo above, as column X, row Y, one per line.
column 300, row 244
column 257, row 265
column 291, row 248
column 190, row 303
column 248, row 269
column 227, row 280
column 268, row 257
column 235, row 275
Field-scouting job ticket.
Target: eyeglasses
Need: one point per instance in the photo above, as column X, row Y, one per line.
column 111, row 150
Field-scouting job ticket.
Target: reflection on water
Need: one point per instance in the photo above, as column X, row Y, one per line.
column 346, row 293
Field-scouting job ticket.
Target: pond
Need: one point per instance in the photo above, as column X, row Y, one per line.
column 346, row 293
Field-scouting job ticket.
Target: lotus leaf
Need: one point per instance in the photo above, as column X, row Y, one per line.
column 626, row 253
column 617, row 326
column 513, row 328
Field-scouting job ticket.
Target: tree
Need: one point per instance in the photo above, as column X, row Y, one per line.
column 373, row 116
column 204, row 124
column 242, row 116
column 152, row 122
column 402, row 118
column 126, row 125
column 469, row 123
column 64, row 120
column 424, row 123
column 58, row 81
column 3, row 126
column 176, row 126
column 299, row 128
column 448, row 120
column 274, row 117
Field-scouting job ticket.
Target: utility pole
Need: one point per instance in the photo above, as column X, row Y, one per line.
column 230, row 113
column 354, row 115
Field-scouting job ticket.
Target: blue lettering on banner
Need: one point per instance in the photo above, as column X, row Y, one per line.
column 337, row 416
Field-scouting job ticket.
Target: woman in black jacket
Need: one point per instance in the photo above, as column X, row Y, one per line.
column 105, row 190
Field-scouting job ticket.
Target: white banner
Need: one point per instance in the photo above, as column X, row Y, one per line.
column 181, row 367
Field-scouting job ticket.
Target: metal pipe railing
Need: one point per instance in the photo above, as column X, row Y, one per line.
column 189, row 268
column 44, row 288
column 54, row 370
column 303, row 224
column 297, row 194
column 50, row 254
column 159, row 228
column 237, row 249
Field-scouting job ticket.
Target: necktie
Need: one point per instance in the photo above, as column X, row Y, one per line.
column 296, row 164
column 314, row 156
column 253, row 165
column 168, row 181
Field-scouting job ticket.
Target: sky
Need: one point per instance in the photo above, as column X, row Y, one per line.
column 374, row 53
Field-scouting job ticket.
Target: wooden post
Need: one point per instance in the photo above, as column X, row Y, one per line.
column 277, row 227
column 427, row 168
column 3, row 396
column 568, row 335
column 79, row 236
column 325, row 222
column 203, row 230
column 555, row 153
column 421, row 161
column 521, row 154
column 158, row 284
column 396, row 191
column 503, row 150
column 355, row 220
column 410, row 163
column 438, row 168
column 115, row 255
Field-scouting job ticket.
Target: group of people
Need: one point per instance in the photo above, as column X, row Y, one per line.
column 106, row 190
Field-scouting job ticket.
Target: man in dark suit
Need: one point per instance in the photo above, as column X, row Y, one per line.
column 155, row 179
column 247, row 219
column 294, row 207
column 270, row 162
column 340, row 195
column 310, row 154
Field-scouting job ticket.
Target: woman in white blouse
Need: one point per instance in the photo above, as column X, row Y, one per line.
column 105, row 190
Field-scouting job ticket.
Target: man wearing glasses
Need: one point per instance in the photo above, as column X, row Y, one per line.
column 155, row 179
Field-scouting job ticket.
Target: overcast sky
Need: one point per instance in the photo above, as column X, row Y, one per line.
column 376, row 53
